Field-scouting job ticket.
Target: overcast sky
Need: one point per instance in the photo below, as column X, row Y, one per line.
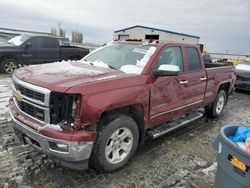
column 223, row 25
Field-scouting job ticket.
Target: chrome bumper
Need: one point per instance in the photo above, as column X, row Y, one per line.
column 54, row 148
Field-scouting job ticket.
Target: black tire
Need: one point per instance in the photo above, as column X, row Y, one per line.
column 216, row 108
column 98, row 159
column 8, row 65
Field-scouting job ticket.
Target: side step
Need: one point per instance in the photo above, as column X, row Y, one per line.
column 175, row 124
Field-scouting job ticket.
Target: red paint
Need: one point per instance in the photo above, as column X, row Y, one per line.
column 155, row 95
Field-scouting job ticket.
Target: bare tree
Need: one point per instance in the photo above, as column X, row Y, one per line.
column 62, row 33
column 77, row 37
column 58, row 31
column 54, row 31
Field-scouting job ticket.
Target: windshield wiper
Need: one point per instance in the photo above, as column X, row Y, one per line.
column 112, row 67
column 93, row 64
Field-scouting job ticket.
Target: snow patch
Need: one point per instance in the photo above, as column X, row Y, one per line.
column 5, row 94
column 66, row 68
column 50, row 126
column 96, row 63
column 133, row 69
column 211, row 169
column 145, row 59
column 137, row 69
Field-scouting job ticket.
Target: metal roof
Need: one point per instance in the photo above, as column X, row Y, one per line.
column 152, row 28
column 19, row 31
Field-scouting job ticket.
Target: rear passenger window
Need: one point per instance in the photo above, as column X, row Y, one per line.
column 171, row 56
column 49, row 42
column 193, row 59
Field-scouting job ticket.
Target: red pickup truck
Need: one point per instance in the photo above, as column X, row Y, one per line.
column 95, row 112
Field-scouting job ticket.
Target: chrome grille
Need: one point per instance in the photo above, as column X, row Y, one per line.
column 34, row 100
column 29, row 93
column 32, row 93
column 32, row 110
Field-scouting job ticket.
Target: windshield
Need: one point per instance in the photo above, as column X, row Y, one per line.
column 129, row 58
column 18, row 40
column 4, row 38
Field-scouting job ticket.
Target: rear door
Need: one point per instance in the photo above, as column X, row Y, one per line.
column 50, row 50
column 195, row 77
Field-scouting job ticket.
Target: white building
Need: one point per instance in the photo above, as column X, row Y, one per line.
column 143, row 33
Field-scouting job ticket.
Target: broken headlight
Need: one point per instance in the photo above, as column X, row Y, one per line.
column 63, row 107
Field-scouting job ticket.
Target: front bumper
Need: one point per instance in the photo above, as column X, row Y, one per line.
column 71, row 154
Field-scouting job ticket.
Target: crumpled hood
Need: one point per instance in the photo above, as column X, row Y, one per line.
column 61, row 76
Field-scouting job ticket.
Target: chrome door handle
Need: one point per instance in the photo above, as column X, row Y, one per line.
column 203, row 78
column 184, row 82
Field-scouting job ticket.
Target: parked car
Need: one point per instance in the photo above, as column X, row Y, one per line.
column 243, row 76
column 36, row 49
column 98, row 110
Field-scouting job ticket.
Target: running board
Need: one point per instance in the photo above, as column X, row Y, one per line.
column 175, row 124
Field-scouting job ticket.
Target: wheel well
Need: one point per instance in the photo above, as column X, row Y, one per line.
column 134, row 111
column 225, row 87
column 7, row 57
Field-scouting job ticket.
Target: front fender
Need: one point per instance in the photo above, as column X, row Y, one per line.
column 95, row 104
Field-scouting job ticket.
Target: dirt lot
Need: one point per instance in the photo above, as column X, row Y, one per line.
column 183, row 158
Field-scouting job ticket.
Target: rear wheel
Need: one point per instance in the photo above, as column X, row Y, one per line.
column 9, row 65
column 216, row 108
column 116, row 143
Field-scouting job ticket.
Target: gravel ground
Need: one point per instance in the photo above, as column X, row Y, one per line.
column 183, row 158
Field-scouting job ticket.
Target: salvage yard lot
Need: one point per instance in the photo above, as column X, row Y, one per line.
column 183, row 158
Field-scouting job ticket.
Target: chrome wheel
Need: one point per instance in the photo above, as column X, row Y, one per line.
column 119, row 145
column 10, row 66
column 220, row 104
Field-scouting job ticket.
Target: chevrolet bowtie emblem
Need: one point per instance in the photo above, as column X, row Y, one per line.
column 19, row 96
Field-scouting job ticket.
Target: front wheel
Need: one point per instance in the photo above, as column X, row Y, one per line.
column 9, row 65
column 116, row 143
column 216, row 108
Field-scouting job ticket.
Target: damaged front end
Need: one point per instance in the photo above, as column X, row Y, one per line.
column 65, row 110
column 51, row 122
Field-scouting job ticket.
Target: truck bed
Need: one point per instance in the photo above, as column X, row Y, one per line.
column 215, row 74
column 72, row 52
column 214, row 65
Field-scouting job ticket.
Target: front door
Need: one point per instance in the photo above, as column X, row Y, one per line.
column 31, row 51
column 168, row 92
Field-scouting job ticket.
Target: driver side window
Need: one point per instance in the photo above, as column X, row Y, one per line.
column 35, row 42
column 171, row 56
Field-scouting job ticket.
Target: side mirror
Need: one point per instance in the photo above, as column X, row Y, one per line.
column 166, row 70
column 27, row 45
